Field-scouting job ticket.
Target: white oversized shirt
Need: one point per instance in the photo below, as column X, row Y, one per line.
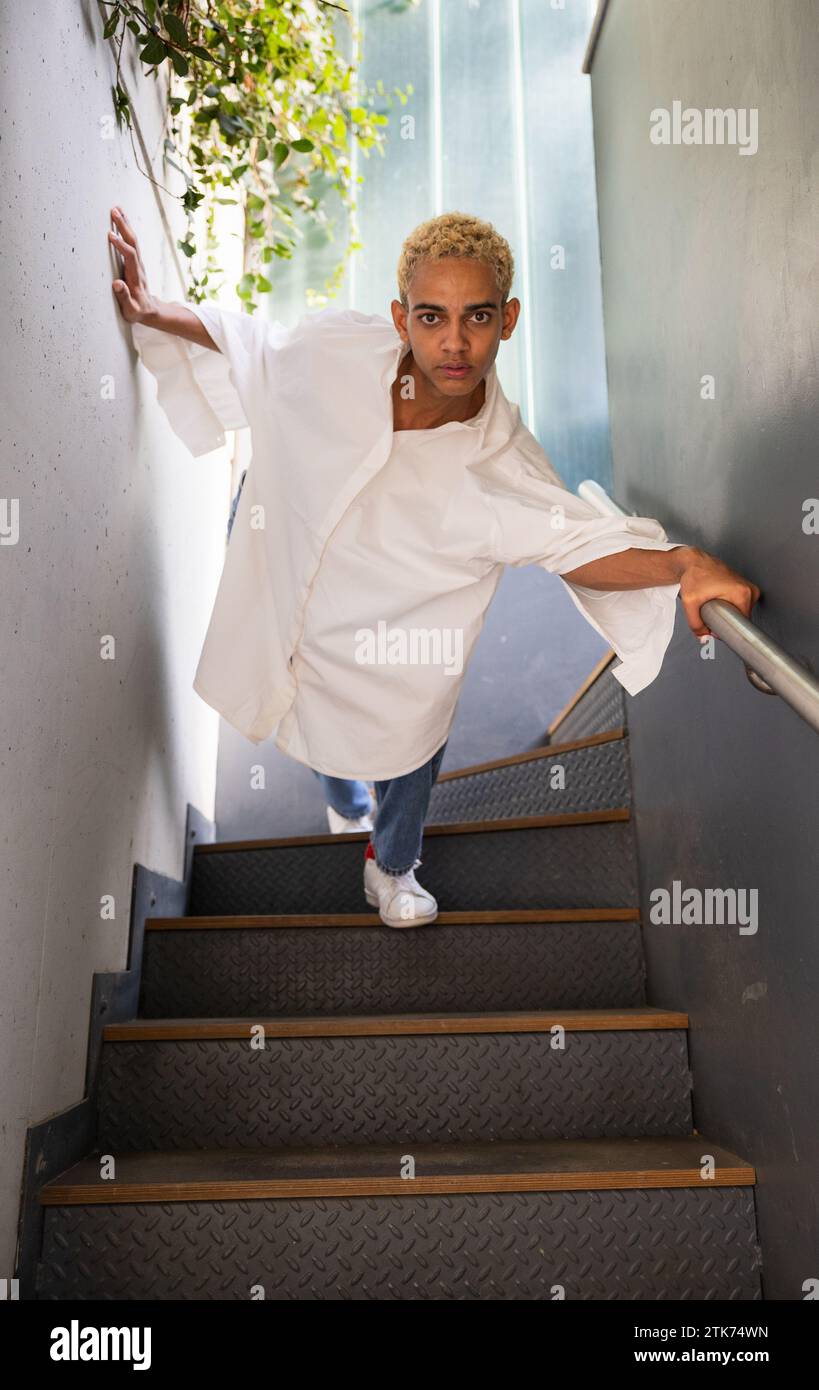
column 362, row 560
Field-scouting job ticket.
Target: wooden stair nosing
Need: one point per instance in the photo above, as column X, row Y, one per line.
column 547, row 1165
column 638, row 1018
column 547, row 751
column 521, row 916
column 565, row 819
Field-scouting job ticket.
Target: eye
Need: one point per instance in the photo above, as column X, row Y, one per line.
column 482, row 315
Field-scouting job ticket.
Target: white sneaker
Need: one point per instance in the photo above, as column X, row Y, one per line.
column 343, row 825
column 400, row 899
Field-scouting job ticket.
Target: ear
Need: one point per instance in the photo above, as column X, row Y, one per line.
column 511, row 310
column 399, row 318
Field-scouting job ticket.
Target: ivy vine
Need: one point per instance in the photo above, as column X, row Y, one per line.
column 263, row 113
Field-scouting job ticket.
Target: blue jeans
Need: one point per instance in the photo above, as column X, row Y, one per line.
column 402, row 804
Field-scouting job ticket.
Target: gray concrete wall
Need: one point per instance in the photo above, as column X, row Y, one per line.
column 121, row 532
column 710, row 267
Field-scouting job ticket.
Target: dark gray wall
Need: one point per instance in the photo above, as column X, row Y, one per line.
column 710, row 266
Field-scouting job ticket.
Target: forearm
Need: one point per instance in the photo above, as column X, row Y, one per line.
column 177, row 318
column 700, row 576
column 633, row 569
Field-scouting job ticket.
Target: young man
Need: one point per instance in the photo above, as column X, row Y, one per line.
column 391, row 482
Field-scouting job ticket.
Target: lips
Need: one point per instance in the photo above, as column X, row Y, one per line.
column 456, row 369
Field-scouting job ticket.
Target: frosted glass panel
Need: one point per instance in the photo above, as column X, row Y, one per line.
column 397, row 192
column 478, row 146
column 568, row 354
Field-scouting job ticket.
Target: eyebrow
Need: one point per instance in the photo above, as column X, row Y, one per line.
column 441, row 308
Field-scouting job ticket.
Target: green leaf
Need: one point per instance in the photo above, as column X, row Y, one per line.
column 154, row 51
column 302, row 145
column 263, row 285
column 280, row 153
column 150, row 10
column 188, row 248
column 111, row 24
column 231, row 125
column 198, row 51
column 176, row 29
column 181, row 66
column 244, row 289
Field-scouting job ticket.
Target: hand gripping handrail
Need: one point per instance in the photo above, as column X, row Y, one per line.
column 767, row 666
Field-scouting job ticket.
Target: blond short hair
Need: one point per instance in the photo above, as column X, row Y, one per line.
column 455, row 234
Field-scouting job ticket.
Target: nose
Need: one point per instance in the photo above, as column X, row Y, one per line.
column 455, row 338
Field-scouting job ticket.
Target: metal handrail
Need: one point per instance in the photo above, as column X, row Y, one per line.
column 772, row 671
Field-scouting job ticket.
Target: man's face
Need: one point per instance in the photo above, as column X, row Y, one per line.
column 454, row 320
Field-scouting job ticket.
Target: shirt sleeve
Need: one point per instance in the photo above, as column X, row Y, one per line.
column 545, row 524
column 204, row 393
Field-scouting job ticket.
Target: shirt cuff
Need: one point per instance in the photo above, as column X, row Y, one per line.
column 637, row 623
column 194, row 386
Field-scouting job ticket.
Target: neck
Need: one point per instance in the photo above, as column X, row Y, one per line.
column 429, row 408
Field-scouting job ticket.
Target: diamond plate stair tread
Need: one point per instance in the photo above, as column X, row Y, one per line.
column 294, row 967
column 222, row 1092
column 355, row 1170
column 544, row 750
column 596, row 777
column 601, row 708
column 587, row 863
column 669, row 1244
column 581, row 1020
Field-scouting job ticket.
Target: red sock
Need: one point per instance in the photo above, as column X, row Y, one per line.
column 370, row 852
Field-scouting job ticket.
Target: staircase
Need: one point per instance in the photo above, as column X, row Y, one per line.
column 310, row 1105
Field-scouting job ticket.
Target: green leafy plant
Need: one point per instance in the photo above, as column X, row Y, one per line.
column 263, row 113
